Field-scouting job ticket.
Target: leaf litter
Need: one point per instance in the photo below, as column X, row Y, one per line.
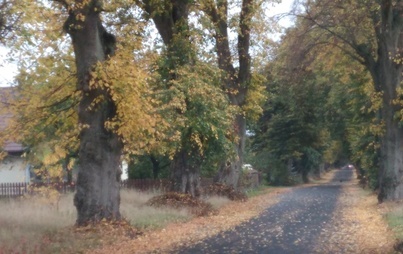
column 184, row 233
column 357, row 226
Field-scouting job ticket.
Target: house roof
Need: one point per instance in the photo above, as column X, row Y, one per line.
column 5, row 95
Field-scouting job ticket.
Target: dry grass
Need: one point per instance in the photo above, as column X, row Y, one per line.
column 45, row 225
column 217, row 201
column 32, row 226
column 141, row 216
column 177, row 234
column 25, row 221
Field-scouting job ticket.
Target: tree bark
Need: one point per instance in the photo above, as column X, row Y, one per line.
column 156, row 166
column 185, row 174
column 172, row 24
column 230, row 170
column 387, row 77
column 391, row 177
column 97, row 194
column 235, row 83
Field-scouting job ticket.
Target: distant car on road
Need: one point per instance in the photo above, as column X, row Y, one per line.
column 349, row 166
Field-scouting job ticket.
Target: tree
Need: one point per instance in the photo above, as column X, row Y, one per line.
column 97, row 189
column 372, row 36
column 172, row 23
column 87, row 82
column 236, row 81
column 291, row 133
column 199, row 109
column 148, row 166
column 310, row 120
column 8, row 19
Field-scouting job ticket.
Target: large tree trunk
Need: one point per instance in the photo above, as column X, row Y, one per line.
column 386, row 74
column 391, row 177
column 230, row 170
column 97, row 191
column 387, row 79
column 156, row 166
column 185, row 174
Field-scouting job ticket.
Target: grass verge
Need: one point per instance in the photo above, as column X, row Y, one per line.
column 261, row 189
column 37, row 225
column 395, row 221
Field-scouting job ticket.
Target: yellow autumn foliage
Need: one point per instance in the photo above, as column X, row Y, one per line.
column 255, row 97
column 151, row 115
column 44, row 102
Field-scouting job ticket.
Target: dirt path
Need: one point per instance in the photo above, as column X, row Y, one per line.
column 335, row 216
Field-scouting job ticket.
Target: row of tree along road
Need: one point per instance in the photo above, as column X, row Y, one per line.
column 93, row 89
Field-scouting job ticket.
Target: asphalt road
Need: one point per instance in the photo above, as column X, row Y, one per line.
column 292, row 225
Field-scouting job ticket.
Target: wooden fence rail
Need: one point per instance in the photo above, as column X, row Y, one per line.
column 13, row 189
column 163, row 185
column 10, row 190
column 146, row 184
column 20, row 189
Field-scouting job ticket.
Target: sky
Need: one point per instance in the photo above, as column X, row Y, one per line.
column 8, row 70
column 281, row 8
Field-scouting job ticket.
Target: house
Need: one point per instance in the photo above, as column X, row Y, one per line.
column 13, row 168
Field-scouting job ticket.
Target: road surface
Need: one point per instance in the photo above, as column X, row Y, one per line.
column 293, row 225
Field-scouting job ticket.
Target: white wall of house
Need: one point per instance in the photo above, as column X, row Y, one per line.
column 125, row 174
column 13, row 169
